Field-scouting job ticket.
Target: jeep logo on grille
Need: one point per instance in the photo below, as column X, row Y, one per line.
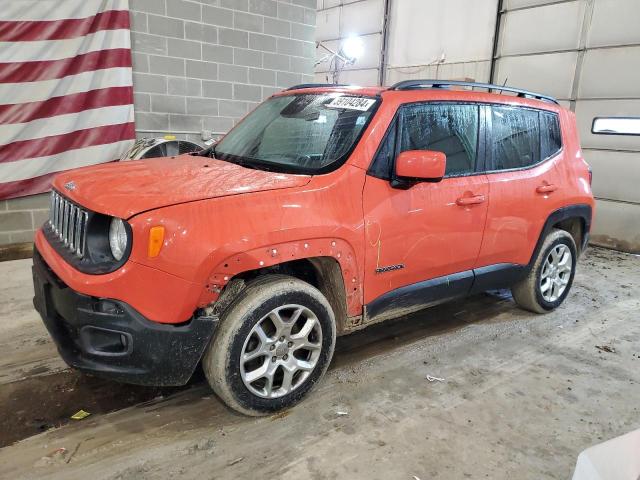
column 70, row 185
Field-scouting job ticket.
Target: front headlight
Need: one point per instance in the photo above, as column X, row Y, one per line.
column 118, row 239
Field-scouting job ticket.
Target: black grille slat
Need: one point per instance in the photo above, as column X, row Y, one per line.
column 69, row 222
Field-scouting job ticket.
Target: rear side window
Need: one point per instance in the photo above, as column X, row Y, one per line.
column 448, row 128
column 515, row 138
column 550, row 139
column 522, row 137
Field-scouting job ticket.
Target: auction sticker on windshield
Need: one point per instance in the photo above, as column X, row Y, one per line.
column 352, row 103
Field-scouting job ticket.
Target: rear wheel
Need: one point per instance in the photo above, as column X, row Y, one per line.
column 549, row 281
column 274, row 342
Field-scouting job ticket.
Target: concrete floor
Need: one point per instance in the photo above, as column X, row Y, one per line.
column 522, row 395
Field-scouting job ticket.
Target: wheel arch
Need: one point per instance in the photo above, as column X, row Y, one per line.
column 327, row 264
column 574, row 219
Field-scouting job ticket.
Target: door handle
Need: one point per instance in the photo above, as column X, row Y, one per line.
column 546, row 188
column 474, row 200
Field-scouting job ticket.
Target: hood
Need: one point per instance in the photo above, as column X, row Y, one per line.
column 124, row 189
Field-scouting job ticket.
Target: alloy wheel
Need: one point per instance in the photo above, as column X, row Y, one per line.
column 281, row 351
column 556, row 272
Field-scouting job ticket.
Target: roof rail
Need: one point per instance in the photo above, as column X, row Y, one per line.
column 316, row 85
column 420, row 84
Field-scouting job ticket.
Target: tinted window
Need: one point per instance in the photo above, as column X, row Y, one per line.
column 550, row 139
column 516, row 137
column 383, row 162
column 452, row 129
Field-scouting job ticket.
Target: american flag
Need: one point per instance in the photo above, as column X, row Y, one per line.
column 66, row 95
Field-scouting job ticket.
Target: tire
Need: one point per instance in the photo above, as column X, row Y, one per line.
column 536, row 292
column 252, row 327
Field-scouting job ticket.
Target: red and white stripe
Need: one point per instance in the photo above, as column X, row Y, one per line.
column 66, row 94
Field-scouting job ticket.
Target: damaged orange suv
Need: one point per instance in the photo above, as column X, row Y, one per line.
column 327, row 209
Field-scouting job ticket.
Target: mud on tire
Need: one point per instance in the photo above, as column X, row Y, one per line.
column 528, row 292
column 251, row 340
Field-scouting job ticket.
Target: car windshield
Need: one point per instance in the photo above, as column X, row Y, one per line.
column 311, row 133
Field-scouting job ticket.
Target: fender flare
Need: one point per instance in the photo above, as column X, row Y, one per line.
column 271, row 255
column 581, row 211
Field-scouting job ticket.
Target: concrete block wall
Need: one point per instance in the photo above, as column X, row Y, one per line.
column 199, row 66
column 21, row 217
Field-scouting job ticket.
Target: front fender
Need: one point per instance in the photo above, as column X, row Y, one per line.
column 270, row 255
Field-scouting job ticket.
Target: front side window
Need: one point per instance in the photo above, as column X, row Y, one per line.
column 311, row 133
column 448, row 128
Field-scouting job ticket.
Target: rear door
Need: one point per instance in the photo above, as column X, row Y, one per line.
column 523, row 148
column 430, row 229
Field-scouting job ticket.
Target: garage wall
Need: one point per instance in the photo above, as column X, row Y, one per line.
column 586, row 53
column 450, row 39
column 199, row 66
column 425, row 38
column 337, row 20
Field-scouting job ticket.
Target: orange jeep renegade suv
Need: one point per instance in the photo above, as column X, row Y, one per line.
column 327, row 209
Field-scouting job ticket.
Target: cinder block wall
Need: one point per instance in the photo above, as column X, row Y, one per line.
column 199, row 67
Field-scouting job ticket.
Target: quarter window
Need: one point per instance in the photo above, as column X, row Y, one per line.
column 448, row 128
column 550, row 138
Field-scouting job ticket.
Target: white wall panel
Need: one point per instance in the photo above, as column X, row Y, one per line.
column 615, row 175
column 611, row 72
column 476, row 71
column 616, row 226
column 370, row 58
column 323, row 4
column 551, row 74
column 362, row 18
column 422, row 30
column 353, row 19
column 511, row 4
column 587, row 110
column 360, row 77
column 615, row 22
column 328, row 24
column 545, row 29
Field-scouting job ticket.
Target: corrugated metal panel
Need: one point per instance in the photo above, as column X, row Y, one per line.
column 370, row 58
column 352, row 19
column 587, row 110
column 616, row 226
column 615, row 22
column 422, row 30
column 551, row 73
column 478, row 71
column 545, row 29
column 511, row 4
column 615, row 175
column 611, row 73
column 360, row 77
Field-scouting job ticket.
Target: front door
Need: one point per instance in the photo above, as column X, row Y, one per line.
column 429, row 230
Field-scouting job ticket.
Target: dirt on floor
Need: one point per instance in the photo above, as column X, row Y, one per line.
column 475, row 388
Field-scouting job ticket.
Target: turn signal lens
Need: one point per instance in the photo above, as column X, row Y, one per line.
column 156, row 238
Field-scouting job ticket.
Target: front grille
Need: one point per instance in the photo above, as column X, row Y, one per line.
column 69, row 223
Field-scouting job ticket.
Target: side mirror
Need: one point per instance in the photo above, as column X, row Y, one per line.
column 420, row 166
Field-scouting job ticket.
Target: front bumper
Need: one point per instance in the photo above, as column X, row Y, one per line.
column 111, row 339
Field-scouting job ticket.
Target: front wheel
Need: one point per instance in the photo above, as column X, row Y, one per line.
column 274, row 343
column 548, row 282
